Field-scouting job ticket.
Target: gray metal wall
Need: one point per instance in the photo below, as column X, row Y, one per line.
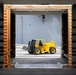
column 33, row 26
column 1, row 36
column 38, row 1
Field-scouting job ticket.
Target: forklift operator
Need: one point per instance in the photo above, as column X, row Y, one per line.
column 40, row 43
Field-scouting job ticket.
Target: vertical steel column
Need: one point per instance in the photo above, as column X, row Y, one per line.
column 6, row 36
column 70, row 37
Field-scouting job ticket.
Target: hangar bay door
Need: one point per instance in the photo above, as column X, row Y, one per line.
column 12, row 36
column 65, row 34
column 7, row 9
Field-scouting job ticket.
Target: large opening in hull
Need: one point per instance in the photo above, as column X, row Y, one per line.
column 33, row 26
column 25, row 27
column 30, row 27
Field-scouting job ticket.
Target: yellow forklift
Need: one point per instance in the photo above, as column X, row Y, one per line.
column 39, row 46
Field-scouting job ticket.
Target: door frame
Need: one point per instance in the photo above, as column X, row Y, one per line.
column 7, row 11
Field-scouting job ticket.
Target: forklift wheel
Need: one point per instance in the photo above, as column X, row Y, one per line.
column 37, row 51
column 52, row 50
column 30, row 52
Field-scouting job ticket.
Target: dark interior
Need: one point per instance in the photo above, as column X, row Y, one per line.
column 74, row 35
column 12, row 35
column 1, row 35
column 65, row 34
